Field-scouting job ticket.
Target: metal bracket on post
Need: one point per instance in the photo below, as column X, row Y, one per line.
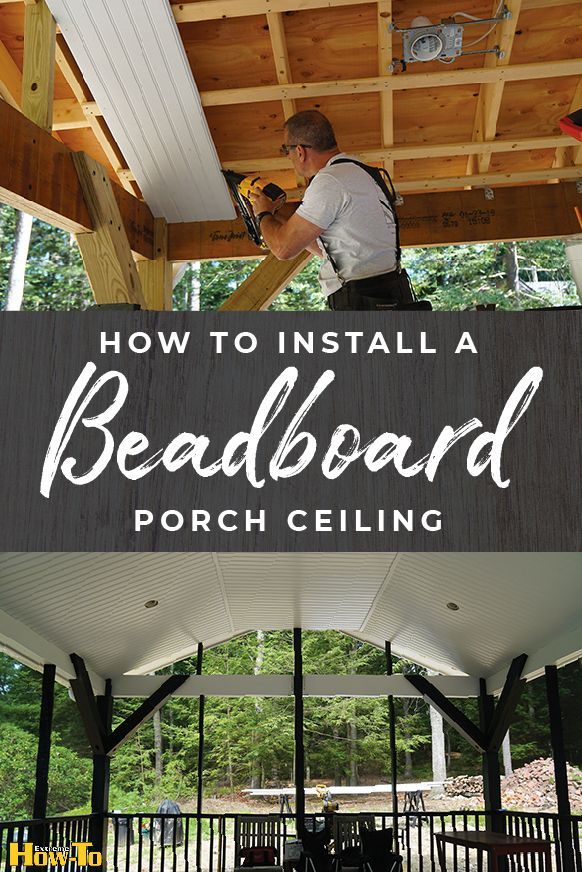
column 489, row 193
column 579, row 186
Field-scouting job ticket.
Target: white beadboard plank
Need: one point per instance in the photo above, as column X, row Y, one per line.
column 133, row 59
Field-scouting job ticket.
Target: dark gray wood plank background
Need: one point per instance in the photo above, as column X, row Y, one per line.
column 42, row 355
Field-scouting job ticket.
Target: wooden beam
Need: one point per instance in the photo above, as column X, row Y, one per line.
column 10, row 78
column 506, row 704
column 68, row 115
column 87, row 705
column 124, row 732
column 265, row 284
column 421, row 152
column 449, row 711
column 282, row 66
column 106, row 251
column 68, row 67
column 38, row 75
column 445, row 218
column 386, row 97
column 491, row 93
column 156, row 276
column 489, row 180
column 37, row 175
column 208, row 10
column 401, row 82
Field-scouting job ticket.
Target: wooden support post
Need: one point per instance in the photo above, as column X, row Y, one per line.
column 38, row 75
column 299, row 745
column 156, row 275
column 200, row 778
column 106, row 253
column 491, row 771
column 98, row 827
column 393, row 752
column 560, row 767
column 44, row 741
column 265, row 284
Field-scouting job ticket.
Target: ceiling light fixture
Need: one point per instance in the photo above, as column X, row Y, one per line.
column 453, row 607
column 151, row 604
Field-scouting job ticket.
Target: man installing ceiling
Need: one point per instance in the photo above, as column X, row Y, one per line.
column 347, row 217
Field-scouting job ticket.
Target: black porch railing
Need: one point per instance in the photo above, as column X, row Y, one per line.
column 168, row 843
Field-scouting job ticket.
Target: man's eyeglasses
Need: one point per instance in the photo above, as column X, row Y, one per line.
column 286, row 149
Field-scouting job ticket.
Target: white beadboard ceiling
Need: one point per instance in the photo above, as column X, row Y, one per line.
column 52, row 604
column 133, row 59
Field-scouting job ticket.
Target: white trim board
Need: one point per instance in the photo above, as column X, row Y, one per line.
column 133, row 59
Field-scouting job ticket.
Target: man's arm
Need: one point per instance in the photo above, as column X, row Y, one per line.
column 285, row 238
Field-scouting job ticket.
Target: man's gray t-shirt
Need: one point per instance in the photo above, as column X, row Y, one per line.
column 359, row 230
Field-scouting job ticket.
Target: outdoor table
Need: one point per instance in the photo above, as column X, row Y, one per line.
column 495, row 844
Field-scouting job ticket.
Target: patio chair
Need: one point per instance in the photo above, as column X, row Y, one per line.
column 377, row 853
column 315, row 856
column 346, row 840
column 257, row 839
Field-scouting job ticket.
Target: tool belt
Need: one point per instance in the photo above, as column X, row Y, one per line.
column 388, row 291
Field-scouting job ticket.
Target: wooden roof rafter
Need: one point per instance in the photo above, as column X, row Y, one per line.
column 491, row 93
column 387, row 97
column 282, row 66
column 88, row 107
column 208, row 10
column 379, row 84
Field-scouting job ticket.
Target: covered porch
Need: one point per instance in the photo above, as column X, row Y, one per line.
column 482, row 625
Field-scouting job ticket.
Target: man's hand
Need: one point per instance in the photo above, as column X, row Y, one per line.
column 262, row 203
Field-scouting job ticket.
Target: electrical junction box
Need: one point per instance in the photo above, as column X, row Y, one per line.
column 434, row 42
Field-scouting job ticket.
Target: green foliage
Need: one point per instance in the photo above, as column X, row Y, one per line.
column 69, row 781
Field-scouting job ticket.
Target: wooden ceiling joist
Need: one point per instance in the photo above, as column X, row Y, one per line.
column 209, row 10
column 402, row 82
column 74, row 78
column 491, row 93
column 10, row 78
column 420, row 152
column 386, row 97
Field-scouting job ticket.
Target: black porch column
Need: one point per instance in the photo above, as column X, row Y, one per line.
column 43, row 755
column 491, row 771
column 299, row 746
column 200, row 781
column 393, row 753
column 100, row 790
column 560, row 767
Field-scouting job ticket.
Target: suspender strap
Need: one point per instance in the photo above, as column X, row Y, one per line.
column 379, row 176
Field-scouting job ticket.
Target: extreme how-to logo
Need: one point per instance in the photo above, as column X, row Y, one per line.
column 47, row 856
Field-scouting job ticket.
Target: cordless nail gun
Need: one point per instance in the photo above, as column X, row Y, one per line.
column 240, row 187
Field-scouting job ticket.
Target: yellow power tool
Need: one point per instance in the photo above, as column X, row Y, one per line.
column 241, row 187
